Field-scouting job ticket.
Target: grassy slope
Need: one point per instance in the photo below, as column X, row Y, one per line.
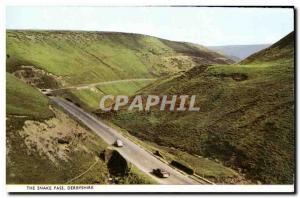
column 86, row 57
column 24, row 100
column 27, row 166
column 76, row 58
column 246, row 117
column 204, row 167
column 24, row 167
column 280, row 50
column 89, row 98
column 27, row 103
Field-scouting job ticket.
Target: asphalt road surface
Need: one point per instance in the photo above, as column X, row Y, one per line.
column 88, row 86
column 142, row 159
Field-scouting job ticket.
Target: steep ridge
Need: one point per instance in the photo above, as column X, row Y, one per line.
column 246, row 117
column 282, row 49
column 89, row 57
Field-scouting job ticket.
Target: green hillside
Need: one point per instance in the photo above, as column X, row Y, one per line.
column 53, row 59
column 280, row 50
column 44, row 145
column 246, row 117
column 246, row 120
column 87, row 57
column 24, row 100
column 89, row 98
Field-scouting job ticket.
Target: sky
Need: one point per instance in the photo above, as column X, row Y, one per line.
column 201, row 25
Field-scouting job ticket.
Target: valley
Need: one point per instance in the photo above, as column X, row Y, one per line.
column 245, row 108
column 245, row 119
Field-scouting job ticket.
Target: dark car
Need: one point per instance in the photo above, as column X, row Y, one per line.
column 161, row 173
column 48, row 94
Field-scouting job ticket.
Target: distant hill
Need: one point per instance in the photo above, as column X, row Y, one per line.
column 53, row 59
column 87, row 57
column 238, row 52
column 246, row 117
column 282, row 49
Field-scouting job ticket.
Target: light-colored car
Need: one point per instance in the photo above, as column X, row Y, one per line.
column 119, row 143
column 161, row 173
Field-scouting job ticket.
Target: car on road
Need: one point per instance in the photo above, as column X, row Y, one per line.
column 119, row 143
column 48, row 94
column 159, row 172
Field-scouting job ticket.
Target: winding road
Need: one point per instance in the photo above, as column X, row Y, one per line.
column 142, row 159
column 88, row 86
